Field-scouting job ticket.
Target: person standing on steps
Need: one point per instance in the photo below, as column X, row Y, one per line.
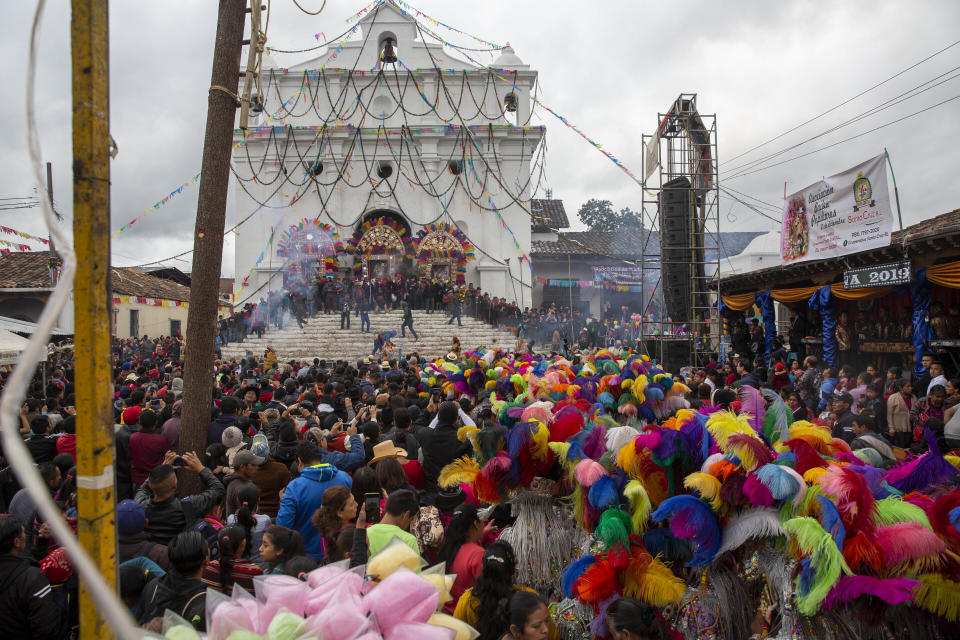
column 407, row 321
column 364, row 308
column 453, row 306
column 344, row 310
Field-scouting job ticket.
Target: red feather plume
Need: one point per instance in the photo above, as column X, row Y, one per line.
column 806, row 457
column 597, row 583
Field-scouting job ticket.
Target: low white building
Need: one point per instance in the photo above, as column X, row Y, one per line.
column 762, row 252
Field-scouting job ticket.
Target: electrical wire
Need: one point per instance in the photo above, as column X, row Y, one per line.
column 859, row 135
column 751, row 207
column 107, row 603
column 311, row 13
column 883, row 106
column 845, row 102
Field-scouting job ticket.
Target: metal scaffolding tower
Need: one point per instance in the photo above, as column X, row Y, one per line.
column 681, row 214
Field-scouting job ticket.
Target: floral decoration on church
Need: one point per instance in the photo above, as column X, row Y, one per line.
column 311, row 239
column 444, row 242
column 381, row 235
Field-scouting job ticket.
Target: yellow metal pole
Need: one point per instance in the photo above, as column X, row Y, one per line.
column 92, row 309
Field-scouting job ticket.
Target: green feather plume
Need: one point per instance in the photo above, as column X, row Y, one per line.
column 614, row 528
column 893, row 510
column 826, row 562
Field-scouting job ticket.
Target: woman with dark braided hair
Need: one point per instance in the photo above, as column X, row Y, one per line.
column 486, row 605
column 232, row 567
column 630, row 619
column 255, row 524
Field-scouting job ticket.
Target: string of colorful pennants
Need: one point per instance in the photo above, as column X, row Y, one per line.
column 20, row 234
column 150, row 302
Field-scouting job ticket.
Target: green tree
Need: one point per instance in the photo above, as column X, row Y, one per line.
column 599, row 215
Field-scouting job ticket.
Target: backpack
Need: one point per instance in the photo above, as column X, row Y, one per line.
column 209, row 534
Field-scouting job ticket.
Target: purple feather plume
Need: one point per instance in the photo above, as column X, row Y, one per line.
column 595, row 444
column 751, row 402
column 893, row 591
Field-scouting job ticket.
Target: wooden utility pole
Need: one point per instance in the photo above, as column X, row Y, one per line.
column 208, row 232
column 91, row 291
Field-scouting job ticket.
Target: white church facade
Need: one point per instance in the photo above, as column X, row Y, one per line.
column 388, row 155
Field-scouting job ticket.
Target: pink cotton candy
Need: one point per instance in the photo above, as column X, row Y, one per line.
column 281, row 591
column 347, row 584
column 318, row 576
column 403, row 596
column 341, row 622
column 232, row 616
column 419, row 631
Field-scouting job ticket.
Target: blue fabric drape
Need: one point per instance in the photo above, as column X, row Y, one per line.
column 765, row 302
column 922, row 331
column 820, row 301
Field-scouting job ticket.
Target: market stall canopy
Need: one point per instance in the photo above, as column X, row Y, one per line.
column 23, row 326
column 11, row 345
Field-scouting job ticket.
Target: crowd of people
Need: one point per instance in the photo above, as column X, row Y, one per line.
column 666, row 498
column 554, row 327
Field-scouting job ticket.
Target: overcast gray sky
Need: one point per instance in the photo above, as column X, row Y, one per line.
column 609, row 67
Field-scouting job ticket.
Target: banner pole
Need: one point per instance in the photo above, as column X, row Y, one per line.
column 896, row 192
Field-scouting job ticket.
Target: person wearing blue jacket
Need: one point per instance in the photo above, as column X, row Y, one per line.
column 352, row 459
column 304, row 495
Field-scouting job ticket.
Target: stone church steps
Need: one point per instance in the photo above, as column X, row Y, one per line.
column 322, row 337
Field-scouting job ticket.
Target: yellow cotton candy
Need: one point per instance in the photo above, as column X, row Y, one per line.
column 391, row 558
column 442, row 583
column 461, row 630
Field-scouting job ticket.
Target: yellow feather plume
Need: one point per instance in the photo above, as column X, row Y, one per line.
column 940, row 596
column 816, row 436
column 463, row 469
column 724, row 424
column 538, row 440
column 954, row 460
column 629, row 461
column 639, row 504
column 466, row 431
column 813, row 475
column 707, row 486
column 657, row 587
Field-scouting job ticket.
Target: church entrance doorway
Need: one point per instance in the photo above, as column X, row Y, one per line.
column 381, row 246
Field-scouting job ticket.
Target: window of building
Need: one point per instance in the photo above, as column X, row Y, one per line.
column 134, row 323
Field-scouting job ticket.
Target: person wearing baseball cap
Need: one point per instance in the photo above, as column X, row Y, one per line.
column 245, row 465
column 843, row 428
column 132, row 541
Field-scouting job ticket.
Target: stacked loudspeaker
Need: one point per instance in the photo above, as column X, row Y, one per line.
column 681, row 251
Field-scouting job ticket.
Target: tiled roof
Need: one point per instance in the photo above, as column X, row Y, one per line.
column 632, row 244
column 130, row 283
column 29, row 270
column 25, row 270
column 549, row 213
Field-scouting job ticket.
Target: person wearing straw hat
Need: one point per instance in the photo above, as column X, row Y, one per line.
column 386, row 449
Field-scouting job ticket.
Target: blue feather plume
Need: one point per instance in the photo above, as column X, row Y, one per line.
column 607, row 400
column 644, row 411
column 955, row 518
column 692, row 519
column 781, row 484
column 574, row 571
column 662, row 542
column 603, row 493
column 831, row 521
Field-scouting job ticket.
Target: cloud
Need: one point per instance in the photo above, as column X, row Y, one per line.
column 609, row 67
